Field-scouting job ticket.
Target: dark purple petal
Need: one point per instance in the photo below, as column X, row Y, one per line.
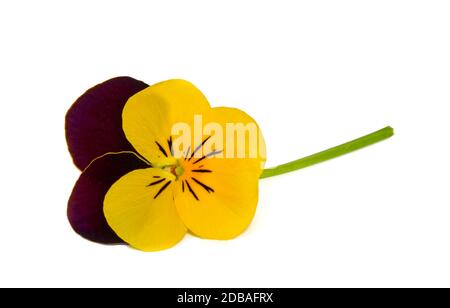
column 94, row 122
column 85, row 210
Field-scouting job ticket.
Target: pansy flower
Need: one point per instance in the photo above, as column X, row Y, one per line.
column 149, row 186
column 158, row 161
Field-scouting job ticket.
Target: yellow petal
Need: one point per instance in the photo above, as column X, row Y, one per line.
column 223, row 213
column 149, row 115
column 140, row 208
column 219, row 201
column 243, row 139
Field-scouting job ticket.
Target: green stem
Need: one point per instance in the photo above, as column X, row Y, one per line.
column 331, row 153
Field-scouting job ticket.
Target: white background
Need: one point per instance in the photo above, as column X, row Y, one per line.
column 313, row 73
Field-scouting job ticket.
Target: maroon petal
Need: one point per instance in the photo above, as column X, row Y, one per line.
column 94, row 122
column 85, row 210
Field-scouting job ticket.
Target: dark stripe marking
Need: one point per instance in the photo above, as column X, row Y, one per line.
column 188, row 153
column 161, row 149
column 199, row 147
column 162, row 189
column 190, row 189
column 169, row 142
column 156, row 182
column 206, row 156
column 206, row 187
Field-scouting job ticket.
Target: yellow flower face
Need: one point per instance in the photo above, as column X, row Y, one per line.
column 205, row 166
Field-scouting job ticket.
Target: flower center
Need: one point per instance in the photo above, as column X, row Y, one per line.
column 189, row 170
column 176, row 169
